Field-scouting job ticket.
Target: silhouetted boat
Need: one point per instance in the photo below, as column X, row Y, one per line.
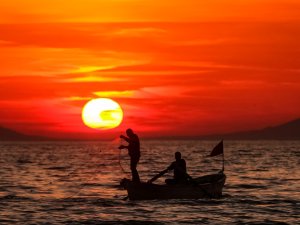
column 209, row 186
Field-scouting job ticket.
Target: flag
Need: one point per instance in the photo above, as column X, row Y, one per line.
column 218, row 149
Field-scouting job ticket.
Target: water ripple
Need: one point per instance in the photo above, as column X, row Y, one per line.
column 78, row 183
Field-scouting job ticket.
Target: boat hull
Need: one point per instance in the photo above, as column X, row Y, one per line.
column 209, row 186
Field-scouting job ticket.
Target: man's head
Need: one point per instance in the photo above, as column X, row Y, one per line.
column 129, row 132
column 177, row 156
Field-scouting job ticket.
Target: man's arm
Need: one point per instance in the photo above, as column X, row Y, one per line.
column 157, row 176
column 161, row 173
column 172, row 166
column 125, row 138
column 123, row 146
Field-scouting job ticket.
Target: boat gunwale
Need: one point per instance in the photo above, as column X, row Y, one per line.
column 144, row 191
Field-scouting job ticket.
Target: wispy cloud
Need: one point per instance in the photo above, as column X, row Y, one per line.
column 113, row 94
column 76, row 98
column 204, row 42
column 90, row 79
column 148, row 10
column 142, row 32
column 170, row 77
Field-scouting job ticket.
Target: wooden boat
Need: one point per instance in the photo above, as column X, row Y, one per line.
column 209, row 186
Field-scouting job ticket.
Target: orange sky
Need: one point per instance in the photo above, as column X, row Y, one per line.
column 176, row 67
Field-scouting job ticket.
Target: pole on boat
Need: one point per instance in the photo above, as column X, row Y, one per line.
column 223, row 160
column 218, row 150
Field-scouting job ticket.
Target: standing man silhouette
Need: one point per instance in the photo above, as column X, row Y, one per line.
column 133, row 151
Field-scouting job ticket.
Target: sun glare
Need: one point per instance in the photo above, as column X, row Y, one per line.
column 102, row 113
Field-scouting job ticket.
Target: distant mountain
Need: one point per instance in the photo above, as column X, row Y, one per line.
column 286, row 131
column 11, row 135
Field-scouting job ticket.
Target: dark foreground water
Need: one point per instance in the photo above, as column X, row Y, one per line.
column 77, row 183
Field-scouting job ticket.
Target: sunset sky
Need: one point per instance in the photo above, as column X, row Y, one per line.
column 176, row 67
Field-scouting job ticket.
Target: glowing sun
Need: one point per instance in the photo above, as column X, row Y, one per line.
column 102, row 113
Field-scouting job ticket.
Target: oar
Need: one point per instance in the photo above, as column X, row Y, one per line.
column 157, row 176
column 125, row 198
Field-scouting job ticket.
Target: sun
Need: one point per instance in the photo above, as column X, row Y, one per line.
column 102, row 113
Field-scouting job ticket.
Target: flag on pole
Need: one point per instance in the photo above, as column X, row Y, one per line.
column 218, row 149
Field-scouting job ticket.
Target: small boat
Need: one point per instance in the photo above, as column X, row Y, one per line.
column 209, row 186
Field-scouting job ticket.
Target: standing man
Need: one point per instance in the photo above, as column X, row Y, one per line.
column 133, row 151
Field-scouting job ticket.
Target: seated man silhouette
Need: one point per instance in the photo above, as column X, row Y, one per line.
column 179, row 168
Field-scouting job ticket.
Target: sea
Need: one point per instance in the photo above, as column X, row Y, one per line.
column 78, row 183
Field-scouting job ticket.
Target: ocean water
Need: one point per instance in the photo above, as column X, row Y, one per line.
column 77, row 183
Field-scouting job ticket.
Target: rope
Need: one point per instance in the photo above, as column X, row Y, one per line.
column 120, row 162
column 120, row 152
column 86, row 181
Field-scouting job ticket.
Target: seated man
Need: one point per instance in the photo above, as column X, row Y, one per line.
column 180, row 174
column 179, row 168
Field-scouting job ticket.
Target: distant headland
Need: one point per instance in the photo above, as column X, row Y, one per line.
column 286, row 131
